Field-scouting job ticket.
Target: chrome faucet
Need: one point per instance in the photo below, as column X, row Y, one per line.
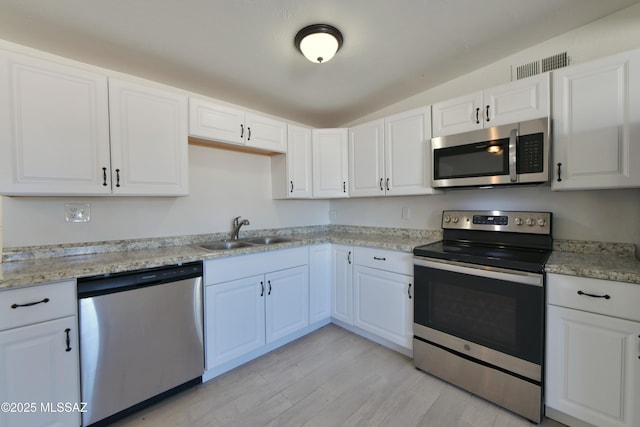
column 236, row 227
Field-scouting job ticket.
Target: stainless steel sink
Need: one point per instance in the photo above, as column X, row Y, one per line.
column 266, row 240
column 223, row 246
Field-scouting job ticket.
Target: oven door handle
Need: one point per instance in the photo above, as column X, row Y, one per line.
column 523, row 277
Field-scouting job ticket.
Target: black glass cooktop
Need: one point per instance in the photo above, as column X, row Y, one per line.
column 514, row 258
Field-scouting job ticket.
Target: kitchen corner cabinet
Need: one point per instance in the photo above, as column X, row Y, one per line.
column 70, row 131
column 253, row 300
column 227, row 124
column 291, row 176
column 319, row 282
column 593, row 351
column 383, row 294
column 596, row 111
column 330, row 163
column 39, row 355
column 149, row 152
column 342, row 283
column 513, row 102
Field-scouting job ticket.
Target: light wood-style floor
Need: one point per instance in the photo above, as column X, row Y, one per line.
column 331, row 377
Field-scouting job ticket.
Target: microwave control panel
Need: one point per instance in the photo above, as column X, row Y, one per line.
column 530, row 153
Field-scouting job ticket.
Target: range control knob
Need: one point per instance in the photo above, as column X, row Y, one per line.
column 455, row 219
column 530, row 222
column 518, row 220
column 447, row 219
column 542, row 222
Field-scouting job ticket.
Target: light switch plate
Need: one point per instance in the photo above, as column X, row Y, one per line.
column 406, row 213
column 77, row 212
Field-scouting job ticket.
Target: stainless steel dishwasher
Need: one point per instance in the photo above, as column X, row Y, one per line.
column 141, row 338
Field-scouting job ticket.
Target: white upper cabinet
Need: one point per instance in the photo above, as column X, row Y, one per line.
column 596, row 136
column 366, row 159
column 408, row 153
column 291, row 173
column 222, row 123
column 330, row 163
column 54, row 126
column 69, row 131
column 148, row 140
column 391, row 156
column 513, row 102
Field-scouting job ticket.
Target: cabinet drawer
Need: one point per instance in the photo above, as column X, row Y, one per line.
column 60, row 302
column 588, row 294
column 382, row 259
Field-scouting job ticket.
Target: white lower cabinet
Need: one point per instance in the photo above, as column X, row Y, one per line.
column 383, row 294
column 319, row 282
column 593, row 358
column 383, row 304
column 342, row 283
column 252, row 301
column 235, row 321
column 39, row 367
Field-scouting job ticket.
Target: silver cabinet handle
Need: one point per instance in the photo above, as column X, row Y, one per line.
column 241, row 130
column 487, row 113
column 387, row 184
column 381, row 188
column 349, row 257
column 248, row 133
column 379, row 259
column 409, row 291
column 291, row 186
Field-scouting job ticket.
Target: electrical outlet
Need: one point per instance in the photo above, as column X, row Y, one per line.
column 77, row 212
column 405, row 213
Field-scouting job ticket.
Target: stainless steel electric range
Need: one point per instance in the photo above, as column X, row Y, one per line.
column 479, row 306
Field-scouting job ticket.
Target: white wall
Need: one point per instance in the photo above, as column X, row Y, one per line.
column 607, row 216
column 223, row 184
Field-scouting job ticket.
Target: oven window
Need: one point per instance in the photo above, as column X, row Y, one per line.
column 482, row 159
column 504, row 316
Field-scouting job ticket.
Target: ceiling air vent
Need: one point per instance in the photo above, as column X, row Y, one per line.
column 528, row 70
column 554, row 62
column 541, row 66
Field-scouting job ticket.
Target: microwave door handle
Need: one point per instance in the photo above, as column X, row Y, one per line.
column 513, row 138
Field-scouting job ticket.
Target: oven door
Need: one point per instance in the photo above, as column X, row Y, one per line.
column 500, row 311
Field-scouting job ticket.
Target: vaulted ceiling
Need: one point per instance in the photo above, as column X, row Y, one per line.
column 242, row 51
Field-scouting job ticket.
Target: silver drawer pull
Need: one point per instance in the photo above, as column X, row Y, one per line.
column 379, row 259
column 593, row 295
column 29, row 304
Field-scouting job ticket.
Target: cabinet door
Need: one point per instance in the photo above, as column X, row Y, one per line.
column 148, row 140
column 383, row 304
column 366, row 160
column 234, row 319
column 319, row 282
column 330, row 163
column 408, row 153
column 298, row 161
column 593, row 367
column 518, row 101
column 216, row 122
column 54, row 127
column 266, row 133
column 287, row 302
column 36, row 367
column 457, row 115
column 596, row 111
column 342, row 283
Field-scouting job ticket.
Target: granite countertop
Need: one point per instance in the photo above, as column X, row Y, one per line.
column 37, row 265
column 608, row 261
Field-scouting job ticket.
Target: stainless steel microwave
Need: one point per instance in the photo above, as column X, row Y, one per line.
column 501, row 155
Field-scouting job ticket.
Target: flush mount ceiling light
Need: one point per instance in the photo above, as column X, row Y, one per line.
column 318, row 42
